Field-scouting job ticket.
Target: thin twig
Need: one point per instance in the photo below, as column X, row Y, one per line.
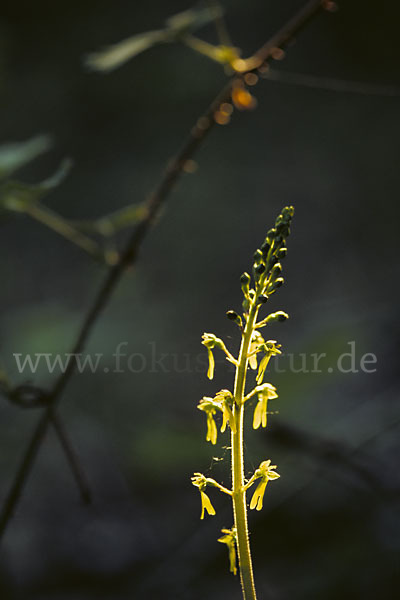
column 73, row 460
column 129, row 255
column 332, row 84
column 65, row 229
column 219, row 22
column 27, row 397
column 333, row 452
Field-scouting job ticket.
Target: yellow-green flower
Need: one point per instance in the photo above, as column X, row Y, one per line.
column 257, row 343
column 266, row 392
column 271, row 348
column 265, row 473
column 200, row 481
column 222, row 402
column 210, row 407
column 258, row 496
column 229, row 538
column 210, row 341
column 225, row 400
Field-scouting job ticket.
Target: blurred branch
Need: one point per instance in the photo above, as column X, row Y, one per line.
column 129, row 255
column 333, row 85
column 64, row 228
column 219, row 22
column 72, row 458
column 28, row 396
column 192, row 547
column 111, row 223
column 333, row 452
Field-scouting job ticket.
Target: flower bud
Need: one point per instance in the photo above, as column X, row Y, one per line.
column 262, row 299
column 276, row 271
column 288, row 212
column 258, row 256
column 278, row 282
column 233, row 316
column 272, row 261
column 280, row 315
column 271, row 233
column 281, row 227
column 281, row 253
column 274, row 285
column 245, row 282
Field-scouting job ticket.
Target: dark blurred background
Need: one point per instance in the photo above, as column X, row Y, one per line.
column 330, row 527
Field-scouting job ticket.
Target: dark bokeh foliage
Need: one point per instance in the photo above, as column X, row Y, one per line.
column 328, row 530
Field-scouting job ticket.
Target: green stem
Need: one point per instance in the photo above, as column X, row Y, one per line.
column 62, row 227
column 201, row 47
column 238, row 482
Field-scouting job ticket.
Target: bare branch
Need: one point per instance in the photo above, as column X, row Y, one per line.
column 27, row 396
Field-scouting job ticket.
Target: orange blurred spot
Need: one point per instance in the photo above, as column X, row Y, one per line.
column 251, row 78
column 242, row 99
column 221, row 118
column 226, row 108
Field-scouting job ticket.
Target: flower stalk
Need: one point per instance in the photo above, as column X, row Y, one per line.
column 267, row 279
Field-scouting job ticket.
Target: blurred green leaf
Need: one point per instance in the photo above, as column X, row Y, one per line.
column 54, row 180
column 177, row 26
column 116, row 55
column 15, row 155
column 192, row 19
column 17, row 196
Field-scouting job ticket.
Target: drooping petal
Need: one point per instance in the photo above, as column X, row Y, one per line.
column 230, row 540
column 225, row 419
column 212, row 431
column 264, row 403
column 232, row 558
column 258, row 414
column 253, row 362
column 261, row 369
column 211, row 364
column 206, row 505
column 255, row 346
column 258, row 496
